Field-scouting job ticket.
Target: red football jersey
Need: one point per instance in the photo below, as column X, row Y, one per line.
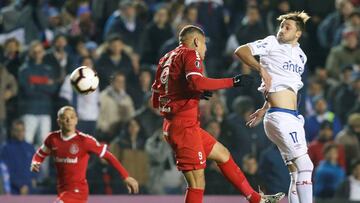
column 71, row 155
column 170, row 83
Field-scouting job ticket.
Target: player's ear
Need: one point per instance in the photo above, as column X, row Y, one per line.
column 196, row 42
column 298, row 34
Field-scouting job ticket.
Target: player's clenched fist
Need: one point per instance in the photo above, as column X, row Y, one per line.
column 35, row 167
column 242, row 80
column 132, row 185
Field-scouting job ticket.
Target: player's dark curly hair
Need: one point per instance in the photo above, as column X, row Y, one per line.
column 299, row 17
column 189, row 29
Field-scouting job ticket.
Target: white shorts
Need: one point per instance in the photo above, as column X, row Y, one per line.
column 286, row 129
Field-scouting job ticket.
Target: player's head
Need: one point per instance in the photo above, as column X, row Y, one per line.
column 67, row 119
column 193, row 37
column 292, row 25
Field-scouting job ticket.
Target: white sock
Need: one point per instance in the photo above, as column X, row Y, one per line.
column 293, row 195
column 304, row 187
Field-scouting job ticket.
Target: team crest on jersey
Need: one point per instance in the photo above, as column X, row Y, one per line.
column 302, row 58
column 164, row 75
column 197, row 64
column 74, row 149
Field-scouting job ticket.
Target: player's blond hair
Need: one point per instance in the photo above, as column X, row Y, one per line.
column 300, row 17
column 63, row 109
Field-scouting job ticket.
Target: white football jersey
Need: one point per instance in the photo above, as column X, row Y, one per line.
column 284, row 62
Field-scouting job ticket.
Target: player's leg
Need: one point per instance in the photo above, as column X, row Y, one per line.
column 232, row 172
column 290, row 139
column 293, row 194
column 304, row 168
column 185, row 140
column 196, row 186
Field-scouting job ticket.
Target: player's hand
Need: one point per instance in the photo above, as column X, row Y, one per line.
column 266, row 79
column 35, row 167
column 242, row 80
column 132, row 185
column 206, row 95
column 256, row 117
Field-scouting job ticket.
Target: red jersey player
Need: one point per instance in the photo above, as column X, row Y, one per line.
column 70, row 149
column 178, row 86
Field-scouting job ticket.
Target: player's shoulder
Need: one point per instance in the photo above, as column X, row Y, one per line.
column 271, row 39
column 54, row 134
column 85, row 136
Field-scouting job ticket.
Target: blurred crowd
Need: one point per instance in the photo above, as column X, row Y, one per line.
column 42, row 41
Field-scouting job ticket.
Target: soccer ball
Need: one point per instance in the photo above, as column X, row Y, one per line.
column 84, row 80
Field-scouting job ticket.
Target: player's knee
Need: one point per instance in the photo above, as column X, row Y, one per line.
column 304, row 163
column 305, row 168
column 220, row 153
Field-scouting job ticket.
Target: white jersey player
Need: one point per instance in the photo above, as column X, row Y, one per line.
column 281, row 64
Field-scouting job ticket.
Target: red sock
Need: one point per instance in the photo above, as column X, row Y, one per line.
column 234, row 175
column 194, row 195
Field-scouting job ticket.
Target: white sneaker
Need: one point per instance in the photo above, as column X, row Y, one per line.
column 271, row 198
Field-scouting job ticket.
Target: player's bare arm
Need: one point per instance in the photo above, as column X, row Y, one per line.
column 244, row 54
column 131, row 184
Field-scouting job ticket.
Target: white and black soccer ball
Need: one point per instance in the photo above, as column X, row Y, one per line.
column 84, row 80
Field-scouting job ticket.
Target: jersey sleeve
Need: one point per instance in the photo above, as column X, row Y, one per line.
column 192, row 63
column 263, row 46
column 93, row 146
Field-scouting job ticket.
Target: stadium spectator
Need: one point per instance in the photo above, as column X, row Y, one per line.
column 350, row 188
column 116, row 108
column 141, row 88
column 59, row 59
column 322, row 113
column 327, row 28
column 128, row 147
column 283, row 7
column 125, row 23
column 325, row 136
column 155, row 34
column 164, row 178
column 349, row 137
column 346, row 98
column 246, row 140
column 16, row 154
column 251, row 27
column 112, row 60
column 328, row 175
column 148, row 116
column 11, row 56
column 251, row 171
column 347, row 53
column 83, row 25
column 8, row 89
column 37, row 86
column 273, row 171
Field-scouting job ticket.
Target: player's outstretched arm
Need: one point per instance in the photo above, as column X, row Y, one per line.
column 257, row 116
column 245, row 55
column 200, row 83
column 38, row 158
column 131, row 183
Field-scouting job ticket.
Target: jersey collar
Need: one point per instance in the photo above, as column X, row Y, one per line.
column 68, row 137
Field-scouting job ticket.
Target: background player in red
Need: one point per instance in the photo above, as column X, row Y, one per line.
column 178, row 86
column 70, row 149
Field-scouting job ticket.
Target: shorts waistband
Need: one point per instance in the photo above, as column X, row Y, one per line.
column 278, row 109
